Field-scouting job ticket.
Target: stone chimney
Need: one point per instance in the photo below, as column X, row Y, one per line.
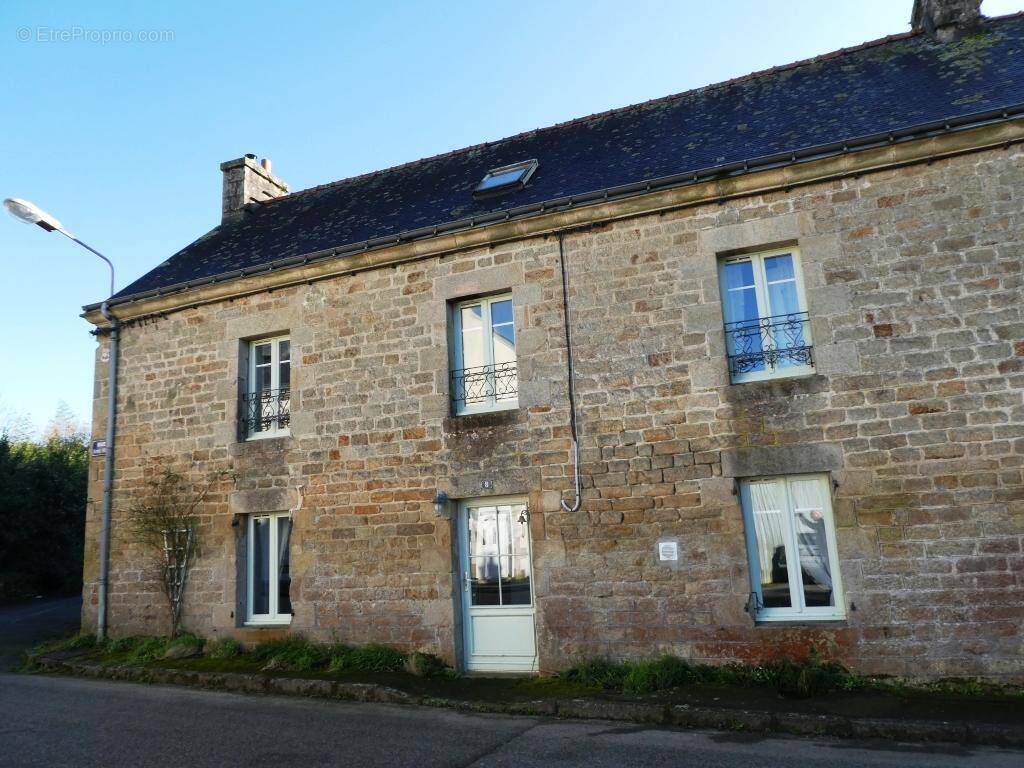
column 946, row 20
column 246, row 181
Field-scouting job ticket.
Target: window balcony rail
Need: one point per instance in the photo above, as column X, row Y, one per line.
column 268, row 410
column 766, row 344
column 484, row 384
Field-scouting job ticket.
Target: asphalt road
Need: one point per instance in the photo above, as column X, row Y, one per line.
column 24, row 624
column 51, row 721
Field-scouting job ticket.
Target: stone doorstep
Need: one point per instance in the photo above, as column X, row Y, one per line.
column 680, row 715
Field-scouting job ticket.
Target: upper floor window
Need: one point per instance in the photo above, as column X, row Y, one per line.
column 484, row 376
column 767, row 329
column 265, row 407
column 791, row 546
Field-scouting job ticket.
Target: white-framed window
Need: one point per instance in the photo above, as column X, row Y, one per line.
column 791, row 547
column 265, row 407
column 767, row 328
column 484, row 375
column 498, row 553
column 269, row 575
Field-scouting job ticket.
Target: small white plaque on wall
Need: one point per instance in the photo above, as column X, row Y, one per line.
column 668, row 552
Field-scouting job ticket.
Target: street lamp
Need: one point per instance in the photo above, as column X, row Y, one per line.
column 30, row 213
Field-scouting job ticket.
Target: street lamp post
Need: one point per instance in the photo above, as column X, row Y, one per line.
column 32, row 214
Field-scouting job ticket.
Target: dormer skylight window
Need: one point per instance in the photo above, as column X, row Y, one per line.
column 506, row 179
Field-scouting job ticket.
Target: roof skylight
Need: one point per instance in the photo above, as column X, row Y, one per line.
column 508, row 178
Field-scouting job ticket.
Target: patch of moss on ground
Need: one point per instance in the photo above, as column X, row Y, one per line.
column 554, row 688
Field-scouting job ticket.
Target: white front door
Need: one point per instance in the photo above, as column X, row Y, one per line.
column 497, row 586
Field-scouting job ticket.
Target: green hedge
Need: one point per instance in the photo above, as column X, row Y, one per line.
column 42, row 515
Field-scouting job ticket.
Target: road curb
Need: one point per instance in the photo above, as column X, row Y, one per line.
column 680, row 715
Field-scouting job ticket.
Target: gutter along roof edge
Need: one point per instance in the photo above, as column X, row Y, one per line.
column 634, row 189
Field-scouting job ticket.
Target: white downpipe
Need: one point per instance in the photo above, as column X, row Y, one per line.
column 578, row 501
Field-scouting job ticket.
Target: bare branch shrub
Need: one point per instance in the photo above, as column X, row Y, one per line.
column 165, row 520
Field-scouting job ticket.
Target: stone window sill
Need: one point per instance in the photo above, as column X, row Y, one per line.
column 267, row 624
column 825, row 623
column 770, row 388
column 469, row 422
column 263, row 445
column 260, row 436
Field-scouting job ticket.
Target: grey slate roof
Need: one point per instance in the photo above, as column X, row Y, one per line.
column 891, row 85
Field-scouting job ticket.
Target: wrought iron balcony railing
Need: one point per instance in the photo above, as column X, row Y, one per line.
column 484, row 385
column 268, row 410
column 768, row 343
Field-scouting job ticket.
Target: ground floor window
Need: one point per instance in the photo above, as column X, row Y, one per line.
column 791, row 545
column 269, row 601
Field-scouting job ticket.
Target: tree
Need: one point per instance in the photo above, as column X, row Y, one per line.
column 166, row 522
column 42, row 515
column 66, row 424
column 15, row 426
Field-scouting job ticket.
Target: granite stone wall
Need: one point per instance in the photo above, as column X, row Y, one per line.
column 916, row 408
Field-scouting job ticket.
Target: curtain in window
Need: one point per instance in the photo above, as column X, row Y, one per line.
column 473, row 352
column 812, row 542
column 767, row 502
column 784, row 307
column 781, row 282
column 260, row 565
column 499, row 555
column 743, row 331
column 740, row 294
column 284, row 579
column 483, row 556
column 503, row 350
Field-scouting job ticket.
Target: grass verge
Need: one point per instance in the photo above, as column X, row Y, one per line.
column 666, row 679
column 806, row 678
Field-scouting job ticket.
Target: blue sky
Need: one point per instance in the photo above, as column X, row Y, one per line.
column 121, row 139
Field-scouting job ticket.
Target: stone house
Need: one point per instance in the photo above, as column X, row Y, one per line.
column 730, row 374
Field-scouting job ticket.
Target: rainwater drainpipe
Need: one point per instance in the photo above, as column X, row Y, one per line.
column 578, row 501
column 108, row 473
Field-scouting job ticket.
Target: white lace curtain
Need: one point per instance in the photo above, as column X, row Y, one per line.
column 805, row 510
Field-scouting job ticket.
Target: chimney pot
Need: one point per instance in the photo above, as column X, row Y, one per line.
column 946, row 20
column 246, row 182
